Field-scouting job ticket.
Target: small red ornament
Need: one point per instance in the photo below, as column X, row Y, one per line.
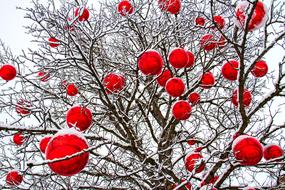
column 191, row 142
column 208, row 80
column 150, row 62
column 200, row 21
column 260, row 69
column 44, row 76
column 191, row 59
column 195, row 161
column 230, row 70
column 175, row 87
column 194, row 98
column 71, row 89
column 79, row 117
column 18, row 138
column 247, row 97
column 178, row 58
column 14, row 178
column 208, row 42
column 164, row 77
column 247, row 150
column 171, row 6
column 83, row 15
column 125, row 8
column 8, row 72
column 53, row 42
column 66, row 143
column 181, row 110
column 187, row 186
column 220, row 21
column 44, row 142
column 22, row 107
column 222, row 42
column 114, row 83
column 272, row 151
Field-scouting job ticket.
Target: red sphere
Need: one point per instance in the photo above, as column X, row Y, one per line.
column 208, row 42
column 175, row 87
column 114, row 83
column 66, row 143
column 22, row 107
column 44, row 142
column 222, row 42
column 125, row 8
column 200, row 21
column 83, row 15
column 187, row 186
column 150, row 63
column 260, row 69
column 194, row 98
column 220, row 21
column 247, row 150
column 258, row 18
column 164, row 77
column 71, row 89
column 191, row 59
column 207, row 81
column 79, row 117
column 8, row 72
column 18, row 138
column 53, row 42
column 272, row 151
column 171, row 6
column 181, row 110
column 230, row 70
column 191, row 142
column 44, row 76
column 195, row 161
column 14, row 178
column 247, row 98
column 178, row 58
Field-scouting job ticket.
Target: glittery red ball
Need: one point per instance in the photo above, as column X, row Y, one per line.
column 247, row 97
column 14, row 178
column 8, row 72
column 193, row 161
column 175, row 87
column 125, row 8
column 230, row 70
column 83, row 15
column 171, row 6
column 181, row 110
column 207, row 81
column 79, row 117
column 150, row 63
column 272, row 151
column 164, row 77
column 71, row 89
column 260, row 69
column 178, row 58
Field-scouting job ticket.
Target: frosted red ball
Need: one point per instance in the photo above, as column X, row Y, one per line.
column 8, row 72
column 43, row 76
column 200, row 21
column 220, row 21
column 14, row 178
column 83, row 15
column 71, row 89
column 178, row 58
column 114, row 83
column 207, row 80
column 125, row 8
column 208, row 42
column 53, row 42
column 195, row 161
column 22, row 107
column 44, row 142
column 181, row 110
column 171, row 6
column 247, row 97
column 79, row 117
column 230, row 70
column 164, row 77
column 18, row 138
column 150, row 63
column 191, row 59
column 260, row 69
column 194, row 98
column 175, row 87
column 272, row 151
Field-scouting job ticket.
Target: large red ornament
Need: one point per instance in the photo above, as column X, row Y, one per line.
column 44, row 142
column 258, row 18
column 272, row 151
column 178, row 58
column 150, row 63
column 66, row 143
column 187, row 186
column 125, row 8
column 175, row 87
column 207, row 81
column 191, row 59
column 220, row 21
column 44, row 76
column 200, row 21
column 194, row 98
column 14, row 178
column 260, row 69
column 22, row 107
column 230, row 70
column 164, row 77
column 247, row 150
column 208, row 42
column 195, row 161
column 79, row 117
column 83, row 15
column 181, row 110
column 171, row 6
column 18, row 138
column 53, row 42
column 8, row 72
column 247, row 97
column 71, row 89
column 114, row 83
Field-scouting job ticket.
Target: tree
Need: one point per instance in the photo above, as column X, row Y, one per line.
column 139, row 133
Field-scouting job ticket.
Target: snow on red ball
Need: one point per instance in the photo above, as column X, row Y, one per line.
column 260, row 69
column 230, row 70
column 164, row 77
column 272, row 151
column 191, row 142
column 14, row 178
column 79, row 117
column 171, row 6
column 194, row 160
column 150, row 62
column 44, row 142
column 53, row 42
column 8, row 72
column 43, row 76
column 175, row 87
column 247, row 150
column 181, row 110
column 125, row 8
column 247, row 97
column 207, row 80
column 191, row 59
column 185, row 186
column 194, row 98
column 22, row 107
column 18, row 138
column 208, row 42
column 220, row 21
column 200, row 21
column 258, row 18
column 114, row 83
column 82, row 14
column 178, row 58
column 71, row 89
column 66, row 143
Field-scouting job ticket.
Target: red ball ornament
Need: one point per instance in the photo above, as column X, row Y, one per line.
column 194, row 98
column 260, row 69
column 18, row 138
column 44, row 76
column 150, row 63
column 125, row 8
column 8, row 72
column 181, row 110
column 247, row 98
column 79, row 117
column 191, row 142
column 63, row 144
column 22, row 107
column 272, row 151
column 14, row 178
column 200, row 21
column 178, row 58
column 175, row 87
column 220, row 21
column 53, row 42
column 191, row 59
column 83, row 14
column 187, row 186
column 44, row 142
column 230, row 70
column 164, row 77
column 71, row 89
column 222, row 42
column 247, row 150
column 258, row 18
column 171, row 6
column 114, row 83
column 207, row 81
column 195, row 161
column 208, row 42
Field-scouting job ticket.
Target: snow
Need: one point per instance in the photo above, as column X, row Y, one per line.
column 70, row 131
column 240, row 138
